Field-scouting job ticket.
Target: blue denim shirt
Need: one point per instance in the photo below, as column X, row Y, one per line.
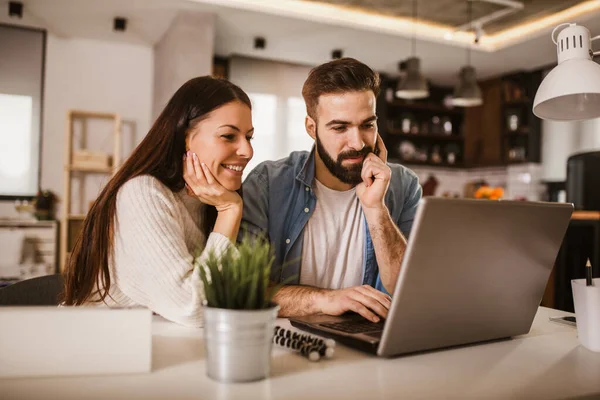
column 279, row 200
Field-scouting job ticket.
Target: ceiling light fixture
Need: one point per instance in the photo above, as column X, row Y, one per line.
column 260, row 43
column 571, row 91
column 467, row 92
column 119, row 24
column 412, row 85
column 15, row 9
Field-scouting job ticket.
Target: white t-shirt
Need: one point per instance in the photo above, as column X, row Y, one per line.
column 332, row 253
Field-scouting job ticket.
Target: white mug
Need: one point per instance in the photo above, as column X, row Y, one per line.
column 587, row 312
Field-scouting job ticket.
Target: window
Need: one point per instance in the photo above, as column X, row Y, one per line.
column 21, row 83
column 297, row 138
column 264, row 114
column 278, row 128
column 278, row 110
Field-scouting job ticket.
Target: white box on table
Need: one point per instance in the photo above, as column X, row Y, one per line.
column 58, row 341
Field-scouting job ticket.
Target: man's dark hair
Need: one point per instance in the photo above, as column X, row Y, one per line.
column 338, row 76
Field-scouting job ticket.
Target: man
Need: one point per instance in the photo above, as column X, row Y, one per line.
column 338, row 217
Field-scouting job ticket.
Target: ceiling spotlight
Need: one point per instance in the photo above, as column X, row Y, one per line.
column 15, row 9
column 260, row 42
column 120, row 24
column 335, row 54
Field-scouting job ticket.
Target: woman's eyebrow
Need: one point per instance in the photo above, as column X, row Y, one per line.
column 230, row 126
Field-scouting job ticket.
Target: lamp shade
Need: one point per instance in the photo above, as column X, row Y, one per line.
column 467, row 92
column 413, row 84
column 571, row 91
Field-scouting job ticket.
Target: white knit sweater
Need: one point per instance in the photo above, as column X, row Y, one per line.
column 157, row 233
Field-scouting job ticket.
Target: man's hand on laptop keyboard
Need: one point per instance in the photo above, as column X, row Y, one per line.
column 364, row 300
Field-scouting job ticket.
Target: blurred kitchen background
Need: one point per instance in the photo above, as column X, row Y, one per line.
column 81, row 82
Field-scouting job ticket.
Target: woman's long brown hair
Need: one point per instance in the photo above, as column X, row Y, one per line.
column 160, row 154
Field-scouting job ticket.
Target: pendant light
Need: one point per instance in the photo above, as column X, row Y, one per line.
column 467, row 92
column 412, row 85
column 571, row 91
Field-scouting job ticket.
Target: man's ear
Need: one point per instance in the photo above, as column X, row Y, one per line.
column 311, row 127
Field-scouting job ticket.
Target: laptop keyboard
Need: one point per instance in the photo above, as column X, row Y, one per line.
column 355, row 326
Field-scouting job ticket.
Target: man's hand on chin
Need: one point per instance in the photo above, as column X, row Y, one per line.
column 364, row 300
column 376, row 177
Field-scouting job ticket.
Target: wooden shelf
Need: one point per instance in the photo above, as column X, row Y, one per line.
column 71, row 221
column 399, row 134
column 586, row 215
column 79, row 168
column 426, row 107
column 91, row 114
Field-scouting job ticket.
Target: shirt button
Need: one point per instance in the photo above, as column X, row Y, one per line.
column 287, row 241
column 306, row 210
column 307, row 188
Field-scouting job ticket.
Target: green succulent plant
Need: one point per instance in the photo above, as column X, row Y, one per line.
column 238, row 278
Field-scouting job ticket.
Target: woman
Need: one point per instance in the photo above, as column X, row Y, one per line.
column 175, row 195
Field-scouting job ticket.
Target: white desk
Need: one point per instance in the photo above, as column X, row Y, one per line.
column 548, row 363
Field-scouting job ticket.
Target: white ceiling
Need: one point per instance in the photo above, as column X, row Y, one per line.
column 288, row 39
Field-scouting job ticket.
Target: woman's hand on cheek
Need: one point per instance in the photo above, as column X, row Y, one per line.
column 201, row 183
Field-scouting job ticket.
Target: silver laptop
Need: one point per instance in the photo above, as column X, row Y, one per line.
column 474, row 271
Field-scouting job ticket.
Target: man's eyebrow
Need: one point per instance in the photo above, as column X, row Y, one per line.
column 370, row 119
column 337, row 122
column 341, row 122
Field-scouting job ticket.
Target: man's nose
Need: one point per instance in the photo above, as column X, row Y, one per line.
column 355, row 140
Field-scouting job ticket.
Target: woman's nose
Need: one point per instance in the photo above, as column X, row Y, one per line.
column 245, row 149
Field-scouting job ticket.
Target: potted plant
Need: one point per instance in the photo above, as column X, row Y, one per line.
column 239, row 315
column 45, row 205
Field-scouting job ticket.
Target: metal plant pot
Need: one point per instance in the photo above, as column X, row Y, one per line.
column 238, row 343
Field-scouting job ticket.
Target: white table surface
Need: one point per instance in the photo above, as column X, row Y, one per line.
column 547, row 363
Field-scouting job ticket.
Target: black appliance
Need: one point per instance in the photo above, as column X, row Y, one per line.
column 583, row 181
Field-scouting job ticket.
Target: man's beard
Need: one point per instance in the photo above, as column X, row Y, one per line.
column 351, row 174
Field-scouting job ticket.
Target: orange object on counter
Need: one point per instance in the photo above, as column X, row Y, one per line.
column 490, row 193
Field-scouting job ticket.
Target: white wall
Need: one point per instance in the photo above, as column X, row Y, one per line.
column 589, row 139
column 562, row 139
column 96, row 76
column 559, row 140
column 184, row 52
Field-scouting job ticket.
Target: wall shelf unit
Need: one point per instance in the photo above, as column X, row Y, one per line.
column 421, row 132
column 71, row 223
column 521, row 129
